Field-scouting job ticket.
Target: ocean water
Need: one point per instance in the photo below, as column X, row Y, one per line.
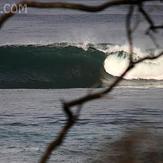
column 31, row 118
column 49, row 55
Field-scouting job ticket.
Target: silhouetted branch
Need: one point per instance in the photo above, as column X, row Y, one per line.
column 73, row 117
column 147, row 17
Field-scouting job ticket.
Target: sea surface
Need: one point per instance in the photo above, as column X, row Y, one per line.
column 50, row 55
column 30, row 119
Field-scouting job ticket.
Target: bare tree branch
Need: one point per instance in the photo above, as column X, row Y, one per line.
column 71, row 116
column 147, row 17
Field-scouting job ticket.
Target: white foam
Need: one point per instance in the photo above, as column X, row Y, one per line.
column 149, row 69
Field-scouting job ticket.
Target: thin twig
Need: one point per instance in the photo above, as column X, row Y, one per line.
column 129, row 31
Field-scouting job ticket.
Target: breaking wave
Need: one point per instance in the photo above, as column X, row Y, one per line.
column 64, row 65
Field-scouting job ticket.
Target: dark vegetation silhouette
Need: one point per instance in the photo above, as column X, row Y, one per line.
column 68, row 106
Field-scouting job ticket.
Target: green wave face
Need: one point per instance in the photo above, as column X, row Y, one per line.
column 49, row 67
